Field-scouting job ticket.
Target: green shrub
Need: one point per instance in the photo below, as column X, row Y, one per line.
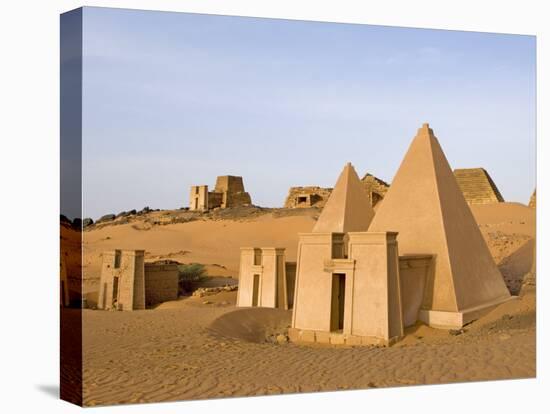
column 190, row 274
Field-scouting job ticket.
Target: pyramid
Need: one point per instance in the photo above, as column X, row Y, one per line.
column 348, row 207
column 426, row 206
column 477, row 186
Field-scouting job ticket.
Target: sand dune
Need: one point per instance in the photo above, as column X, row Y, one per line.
column 203, row 241
column 513, row 218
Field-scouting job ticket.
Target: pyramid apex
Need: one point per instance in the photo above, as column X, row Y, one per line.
column 425, row 130
column 348, row 207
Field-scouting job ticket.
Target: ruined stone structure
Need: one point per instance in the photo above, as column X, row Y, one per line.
column 229, row 192
column 128, row 283
column 376, row 188
column 265, row 278
column 533, row 200
column 477, row 186
column 304, row 197
column 426, row 206
column 200, row 198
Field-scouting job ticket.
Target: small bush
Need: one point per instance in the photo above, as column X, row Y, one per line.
column 189, row 274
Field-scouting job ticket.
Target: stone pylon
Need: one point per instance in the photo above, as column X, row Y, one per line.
column 426, row 207
column 348, row 207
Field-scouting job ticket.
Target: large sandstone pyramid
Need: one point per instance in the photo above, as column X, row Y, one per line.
column 348, row 207
column 477, row 186
column 425, row 205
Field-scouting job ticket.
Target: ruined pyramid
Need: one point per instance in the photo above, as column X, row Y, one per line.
column 477, row 186
column 425, row 205
column 348, row 207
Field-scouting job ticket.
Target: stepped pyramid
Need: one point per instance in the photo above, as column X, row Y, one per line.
column 425, row 205
column 348, row 207
column 477, row 186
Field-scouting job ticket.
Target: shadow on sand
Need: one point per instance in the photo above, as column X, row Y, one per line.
column 49, row 389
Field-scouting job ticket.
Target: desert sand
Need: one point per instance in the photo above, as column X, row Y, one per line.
column 205, row 347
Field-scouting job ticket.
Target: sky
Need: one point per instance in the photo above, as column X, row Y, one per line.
column 172, row 100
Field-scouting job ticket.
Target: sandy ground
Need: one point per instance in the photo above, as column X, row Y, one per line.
column 187, row 349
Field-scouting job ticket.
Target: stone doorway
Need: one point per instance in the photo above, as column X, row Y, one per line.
column 115, row 291
column 338, row 300
column 255, row 290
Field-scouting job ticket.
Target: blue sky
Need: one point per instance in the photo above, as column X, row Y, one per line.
column 174, row 99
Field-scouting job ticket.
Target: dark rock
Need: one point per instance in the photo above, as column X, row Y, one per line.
column 106, row 217
column 64, row 219
column 87, row 222
column 77, row 223
column 144, row 210
column 126, row 213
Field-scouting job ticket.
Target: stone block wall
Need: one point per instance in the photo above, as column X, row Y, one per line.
column 161, row 283
column 215, row 200
column 375, row 187
column 236, row 199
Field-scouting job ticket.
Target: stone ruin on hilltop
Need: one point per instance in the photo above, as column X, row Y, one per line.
column 228, row 192
column 305, row 197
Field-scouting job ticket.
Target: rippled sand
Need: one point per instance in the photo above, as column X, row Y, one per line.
column 180, row 351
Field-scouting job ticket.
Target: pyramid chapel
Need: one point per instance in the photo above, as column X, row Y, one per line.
column 361, row 277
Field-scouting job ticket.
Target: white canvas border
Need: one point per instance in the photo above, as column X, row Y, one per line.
column 29, row 134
